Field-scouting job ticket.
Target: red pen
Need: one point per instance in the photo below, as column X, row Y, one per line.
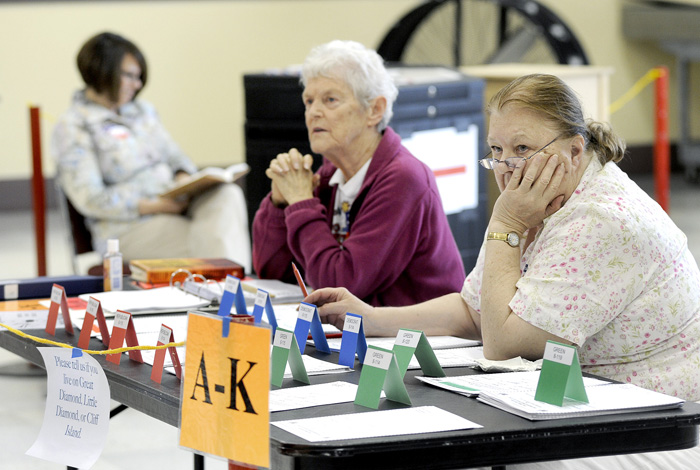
column 300, row 281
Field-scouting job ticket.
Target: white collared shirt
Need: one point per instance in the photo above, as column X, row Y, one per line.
column 344, row 197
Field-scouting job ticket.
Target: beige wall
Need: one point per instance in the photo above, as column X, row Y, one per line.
column 198, row 52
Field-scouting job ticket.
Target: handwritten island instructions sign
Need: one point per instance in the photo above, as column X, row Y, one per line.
column 76, row 419
column 560, row 375
column 224, row 405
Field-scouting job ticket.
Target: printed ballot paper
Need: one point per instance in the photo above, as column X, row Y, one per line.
column 76, row 419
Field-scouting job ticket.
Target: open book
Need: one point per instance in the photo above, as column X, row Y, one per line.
column 206, row 178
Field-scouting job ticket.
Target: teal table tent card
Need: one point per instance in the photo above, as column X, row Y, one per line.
column 233, row 294
column 380, row 371
column 262, row 303
column 410, row 342
column 285, row 349
column 353, row 341
column 560, row 375
column 309, row 319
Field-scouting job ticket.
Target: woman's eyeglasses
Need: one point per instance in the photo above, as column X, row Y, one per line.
column 134, row 77
column 511, row 162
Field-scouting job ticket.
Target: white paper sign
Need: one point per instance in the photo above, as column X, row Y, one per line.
column 164, row 335
column 306, row 312
column 260, row 298
column 352, row 324
column 559, row 353
column 92, row 306
column 76, row 419
column 408, row 338
column 283, row 339
column 121, row 320
column 377, row 358
column 232, row 284
column 56, row 294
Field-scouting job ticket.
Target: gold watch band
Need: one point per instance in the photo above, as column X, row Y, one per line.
column 512, row 238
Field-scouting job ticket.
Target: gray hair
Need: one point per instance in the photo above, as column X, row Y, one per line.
column 361, row 68
column 558, row 104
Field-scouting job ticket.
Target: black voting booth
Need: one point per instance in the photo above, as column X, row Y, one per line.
column 438, row 114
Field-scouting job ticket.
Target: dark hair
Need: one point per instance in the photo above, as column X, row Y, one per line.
column 558, row 104
column 100, row 61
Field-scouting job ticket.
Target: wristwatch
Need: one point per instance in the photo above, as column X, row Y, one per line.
column 512, row 238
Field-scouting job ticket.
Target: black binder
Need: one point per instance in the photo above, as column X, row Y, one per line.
column 40, row 287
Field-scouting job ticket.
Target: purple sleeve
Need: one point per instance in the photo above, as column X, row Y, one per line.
column 271, row 256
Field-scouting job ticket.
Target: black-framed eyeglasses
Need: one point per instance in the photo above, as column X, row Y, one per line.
column 131, row 76
column 511, row 162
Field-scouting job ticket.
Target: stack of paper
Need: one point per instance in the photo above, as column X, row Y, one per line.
column 514, row 392
column 158, row 300
column 436, row 342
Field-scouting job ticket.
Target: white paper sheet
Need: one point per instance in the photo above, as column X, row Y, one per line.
column 311, row 395
column 317, row 367
column 157, row 300
column 28, row 319
column 287, row 314
column 415, row 420
column 436, row 342
column 453, row 357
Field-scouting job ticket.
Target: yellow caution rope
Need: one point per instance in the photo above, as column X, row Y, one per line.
column 642, row 83
column 88, row 351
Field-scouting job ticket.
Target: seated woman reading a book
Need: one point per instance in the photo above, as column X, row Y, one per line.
column 575, row 252
column 371, row 218
column 114, row 158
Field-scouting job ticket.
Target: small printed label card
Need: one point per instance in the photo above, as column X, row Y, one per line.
column 560, row 375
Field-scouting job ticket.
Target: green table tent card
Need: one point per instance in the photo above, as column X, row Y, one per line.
column 285, row 349
column 560, row 376
column 410, row 342
column 380, row 371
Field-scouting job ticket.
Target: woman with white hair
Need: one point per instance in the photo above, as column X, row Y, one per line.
column 371, row 218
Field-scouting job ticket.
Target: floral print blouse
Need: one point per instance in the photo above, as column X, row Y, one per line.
column 612, row 273
column 107, row 161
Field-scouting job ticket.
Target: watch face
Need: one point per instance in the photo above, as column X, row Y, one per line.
column 513, row 239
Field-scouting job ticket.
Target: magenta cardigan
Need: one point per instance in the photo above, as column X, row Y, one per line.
column 400, row 250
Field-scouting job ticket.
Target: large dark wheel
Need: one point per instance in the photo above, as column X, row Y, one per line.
column 474, row 32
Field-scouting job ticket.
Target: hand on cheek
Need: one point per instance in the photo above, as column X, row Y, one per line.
column 532, row 193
